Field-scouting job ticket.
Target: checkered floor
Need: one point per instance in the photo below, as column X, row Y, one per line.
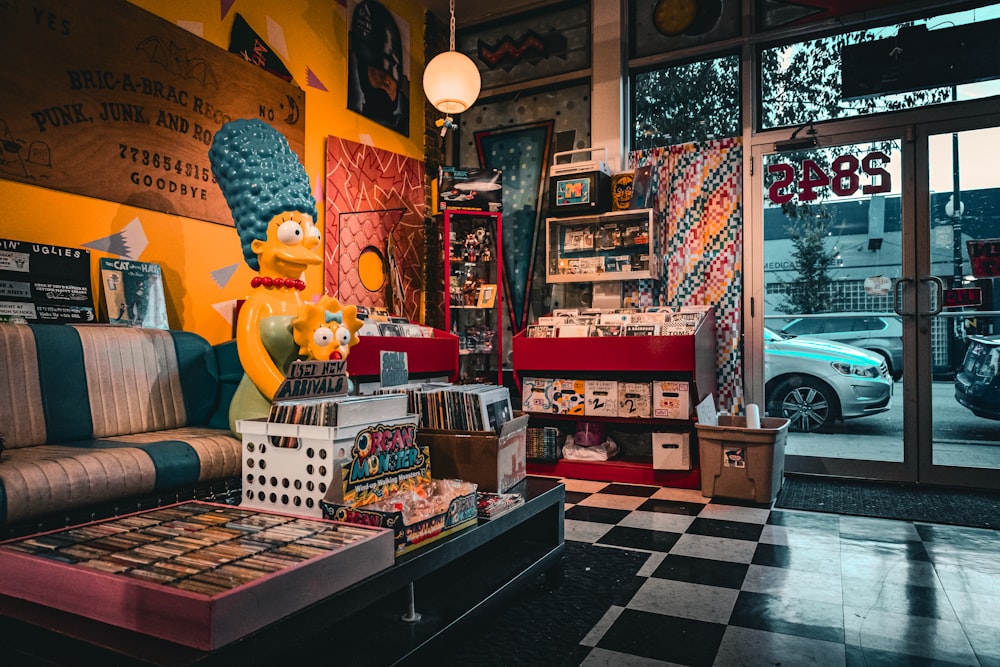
column 730, row 583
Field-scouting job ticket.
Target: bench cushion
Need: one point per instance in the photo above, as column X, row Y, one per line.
column 69, row 383
column 47, row 479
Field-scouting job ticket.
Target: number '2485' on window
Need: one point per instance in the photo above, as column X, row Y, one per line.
column 843, row 178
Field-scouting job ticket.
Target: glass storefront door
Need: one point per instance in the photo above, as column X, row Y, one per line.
column 833, row 353
column 878, row 303
column 961, row 322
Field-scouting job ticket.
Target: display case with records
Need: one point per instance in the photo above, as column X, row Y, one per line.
column 621, row 245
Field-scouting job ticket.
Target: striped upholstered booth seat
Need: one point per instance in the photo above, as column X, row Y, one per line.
column 95, row 414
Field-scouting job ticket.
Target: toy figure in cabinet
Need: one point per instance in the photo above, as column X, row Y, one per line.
column 473, row 310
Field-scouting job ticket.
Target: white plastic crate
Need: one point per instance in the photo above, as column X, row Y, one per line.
column 293, row 479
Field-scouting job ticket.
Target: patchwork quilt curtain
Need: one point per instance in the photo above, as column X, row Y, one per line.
column 697, row 197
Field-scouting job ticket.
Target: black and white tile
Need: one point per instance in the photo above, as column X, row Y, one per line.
column 729, row 582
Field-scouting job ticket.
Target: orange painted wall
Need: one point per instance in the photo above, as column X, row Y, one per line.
column 189, row 250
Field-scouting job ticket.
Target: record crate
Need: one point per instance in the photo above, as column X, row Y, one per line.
column 291, row 467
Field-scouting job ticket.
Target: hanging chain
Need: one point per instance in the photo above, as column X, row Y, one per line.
column 452, row 5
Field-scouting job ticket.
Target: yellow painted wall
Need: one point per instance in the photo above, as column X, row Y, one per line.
column 315, row 33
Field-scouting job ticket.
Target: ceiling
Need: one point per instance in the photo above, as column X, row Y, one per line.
column 469, row 12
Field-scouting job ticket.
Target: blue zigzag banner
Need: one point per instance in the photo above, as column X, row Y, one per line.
column 522, row 153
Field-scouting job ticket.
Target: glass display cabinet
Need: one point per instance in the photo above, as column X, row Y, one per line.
column 620, row 245
column 472, row 307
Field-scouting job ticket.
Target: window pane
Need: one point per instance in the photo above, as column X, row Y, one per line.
column 801, row 83
column 690, row 102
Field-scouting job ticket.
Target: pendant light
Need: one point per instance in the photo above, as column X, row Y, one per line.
column 451, row 79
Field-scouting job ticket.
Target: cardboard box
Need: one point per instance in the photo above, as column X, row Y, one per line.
column 570, row 396
column 496, row 463
column 601, row 398
column 538, row 395
column 635, row 399
column 461, row 513
column 671, row 400
column 202, row 620
column 671, row 451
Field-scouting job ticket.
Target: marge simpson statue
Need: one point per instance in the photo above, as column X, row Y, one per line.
column 268, row 193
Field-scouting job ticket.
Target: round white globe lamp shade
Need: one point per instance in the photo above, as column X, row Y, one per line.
column 451, row 82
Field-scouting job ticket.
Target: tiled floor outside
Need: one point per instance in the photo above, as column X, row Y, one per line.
column 732, row 583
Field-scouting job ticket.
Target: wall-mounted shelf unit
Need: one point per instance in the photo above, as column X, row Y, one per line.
column 620, row 245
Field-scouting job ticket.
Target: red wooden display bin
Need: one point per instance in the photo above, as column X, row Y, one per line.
column 437, row 355
column 690, row 358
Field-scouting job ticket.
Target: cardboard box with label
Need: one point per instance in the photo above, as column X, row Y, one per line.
column 538, row 395
column 671, row 400
column 570, row 396
column 671, row 451
column 634, row 399
column 601, row 398
column 494, row 462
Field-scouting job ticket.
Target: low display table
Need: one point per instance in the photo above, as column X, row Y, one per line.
column 402, row 612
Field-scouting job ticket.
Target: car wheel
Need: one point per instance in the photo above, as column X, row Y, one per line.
column 808, row 405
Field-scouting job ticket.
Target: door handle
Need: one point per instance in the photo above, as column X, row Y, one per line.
column 940, row 295
column 896, row 294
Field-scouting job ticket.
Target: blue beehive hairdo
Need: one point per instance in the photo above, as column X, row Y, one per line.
column 260, row 176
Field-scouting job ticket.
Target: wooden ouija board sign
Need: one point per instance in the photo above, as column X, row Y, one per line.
column 107, row 100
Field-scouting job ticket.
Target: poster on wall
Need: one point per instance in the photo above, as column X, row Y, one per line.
column 44, row 284
column 250, row 46
column 378, row 65
column 110, row 101
column 133, row 293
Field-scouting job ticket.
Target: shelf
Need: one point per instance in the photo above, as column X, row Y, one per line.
column 649, row 355
column 638, row 421
column 616, row 246
column 600, row 277
column 473, row 293
column 625, row 471
column 687, row 358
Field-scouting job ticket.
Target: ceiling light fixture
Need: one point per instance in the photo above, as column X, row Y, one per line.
column 451, row 79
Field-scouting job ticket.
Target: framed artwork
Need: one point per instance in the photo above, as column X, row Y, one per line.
column 375, row 237
column 522, row 153
column 531, row 45
column 487, row 296
column 378, row 65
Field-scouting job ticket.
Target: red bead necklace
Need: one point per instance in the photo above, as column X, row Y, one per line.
column 267, row 281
